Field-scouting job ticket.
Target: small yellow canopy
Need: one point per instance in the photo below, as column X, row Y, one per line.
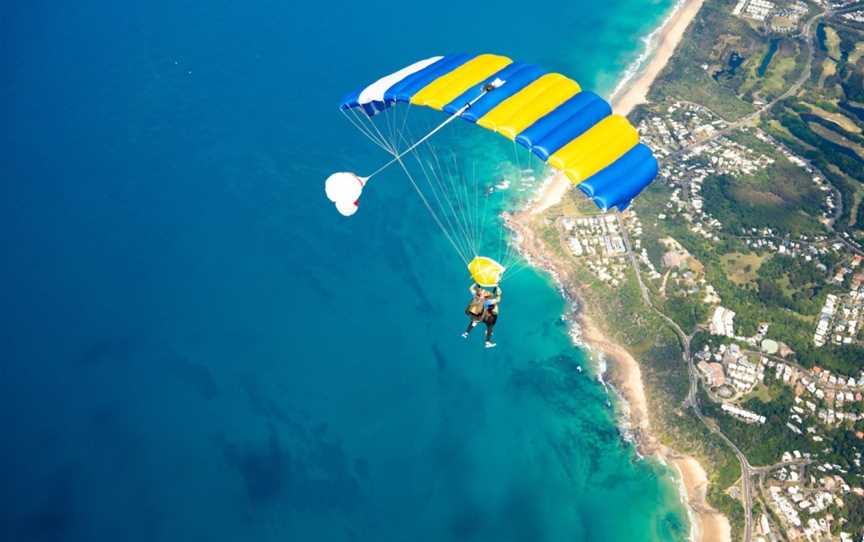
column 485, row 271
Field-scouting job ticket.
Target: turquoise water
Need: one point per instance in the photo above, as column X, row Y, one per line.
column 195, row 347
column 766, row 60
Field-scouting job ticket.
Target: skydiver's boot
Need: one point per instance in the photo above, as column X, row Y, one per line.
column 489, row 343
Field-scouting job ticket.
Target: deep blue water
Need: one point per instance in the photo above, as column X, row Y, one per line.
column 766, row 60
column 195, row 347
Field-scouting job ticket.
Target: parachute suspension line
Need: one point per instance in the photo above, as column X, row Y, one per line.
column 515, row 262
column 398, row 158
column 394, row 134
column 460, row 202
column 459, row 191
column 405, row 118
column 518, row 161
column 398, row 155
column 484, row 215
column 390, row 143
column 486, row 197
column 470, row 208
column 475, row 206
column 446, row 176
column 390, row 147
column 360, row 123
column 454, row 208
column 432, row 179
column 501, row 241
column 478, row 223
column 361, row 128
column 434, row 131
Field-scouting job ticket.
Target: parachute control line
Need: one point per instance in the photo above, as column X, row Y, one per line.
column 345, row 188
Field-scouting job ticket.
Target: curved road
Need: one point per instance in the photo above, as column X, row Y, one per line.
column 748, row 471
column 692, row 398
column 806, row 33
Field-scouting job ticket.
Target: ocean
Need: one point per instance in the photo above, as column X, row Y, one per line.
column 195, row 346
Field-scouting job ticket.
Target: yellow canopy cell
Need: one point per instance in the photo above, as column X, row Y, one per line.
column 542, row 105
column 604, row 143
column 524, row 99
column 448, row 87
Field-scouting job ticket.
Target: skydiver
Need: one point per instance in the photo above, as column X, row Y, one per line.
column 483, row 308
column 476, row 307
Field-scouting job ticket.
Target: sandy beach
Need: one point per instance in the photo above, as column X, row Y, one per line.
column 626, row 376
column 625, row 373
column 711, row 526
column 634, row 91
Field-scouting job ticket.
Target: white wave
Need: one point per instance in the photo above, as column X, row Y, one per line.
column 648, row 50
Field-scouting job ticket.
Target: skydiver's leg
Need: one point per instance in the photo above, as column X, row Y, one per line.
column 471, row 325
column 490, row 325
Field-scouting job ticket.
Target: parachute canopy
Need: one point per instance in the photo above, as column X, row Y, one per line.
column 485, row 271
column 572, row 130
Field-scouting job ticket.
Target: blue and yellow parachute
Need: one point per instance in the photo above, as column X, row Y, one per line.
column 570, row 129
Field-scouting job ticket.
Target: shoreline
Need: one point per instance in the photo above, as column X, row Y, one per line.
column 633, row 88
column 706, row 523
column 625, row 378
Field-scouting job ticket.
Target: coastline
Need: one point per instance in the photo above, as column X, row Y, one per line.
column 625, row 376
column 633, row 88
column 707, row 524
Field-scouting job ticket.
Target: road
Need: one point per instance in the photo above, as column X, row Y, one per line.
column 748, row 471
column 807, row 34
column 692, row 399
column 747, row 120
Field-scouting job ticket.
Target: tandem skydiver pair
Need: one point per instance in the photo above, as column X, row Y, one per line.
column 573, row 131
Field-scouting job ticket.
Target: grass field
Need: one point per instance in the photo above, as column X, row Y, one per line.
column 829, row 68
column 838, row 118
column 834, row 137
column 773, row 126
column 742, row 268
column 856, row 53
column 832, row 42
column 783, row 64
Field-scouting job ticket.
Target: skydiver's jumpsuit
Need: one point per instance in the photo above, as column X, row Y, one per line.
column 489, row 315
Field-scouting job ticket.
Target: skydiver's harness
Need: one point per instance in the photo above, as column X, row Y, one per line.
column 476, row 308
column 481, row 308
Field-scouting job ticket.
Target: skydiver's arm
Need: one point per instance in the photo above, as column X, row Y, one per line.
column 473, row 288
column 498, row 294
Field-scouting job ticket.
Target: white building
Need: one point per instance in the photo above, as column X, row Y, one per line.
column 722, row 322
